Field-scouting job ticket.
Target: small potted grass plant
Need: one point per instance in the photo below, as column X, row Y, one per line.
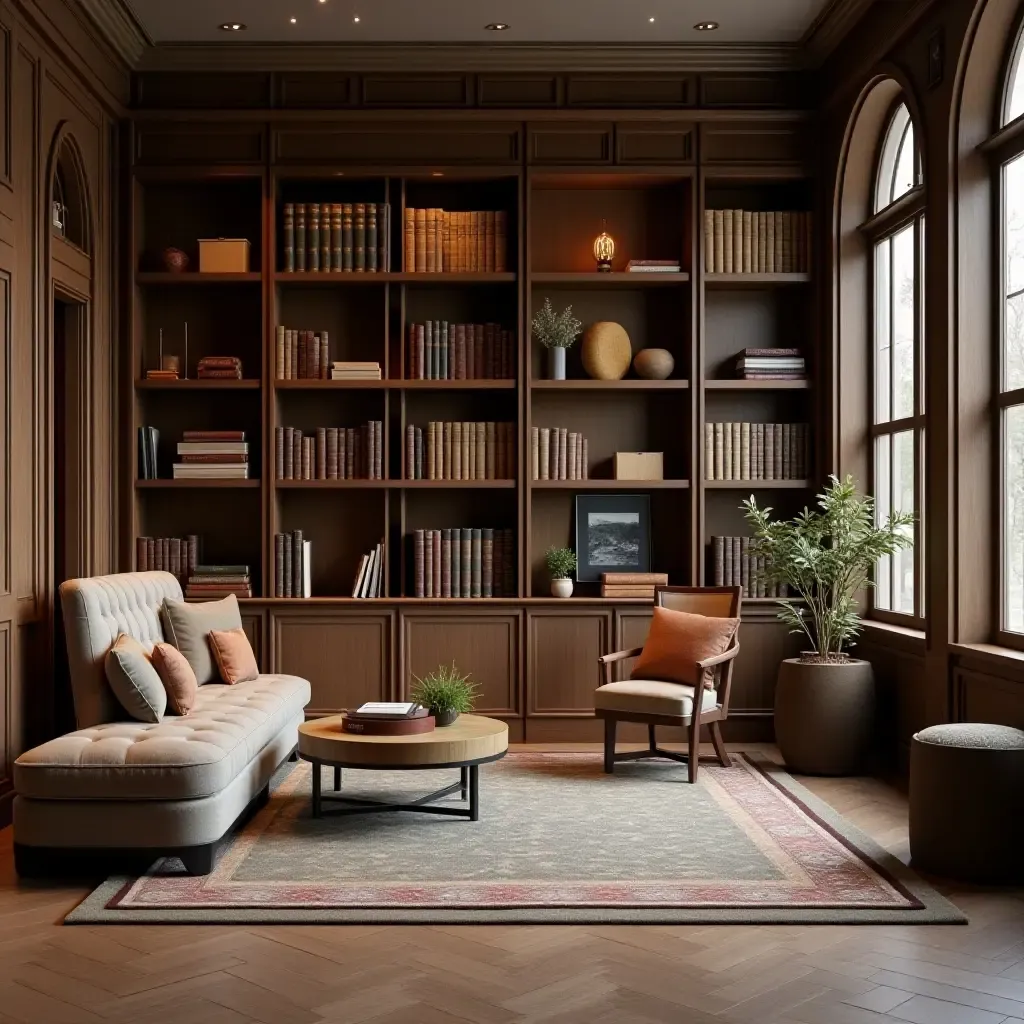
column 556, row 332
column 562, row 566
column 446, row 693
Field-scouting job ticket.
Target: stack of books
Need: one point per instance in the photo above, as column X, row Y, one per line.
column 734, row 566
column 756, row 451
column 369, row 581
column 220, row 368
column 439, row 350
column 302, row 355
column 213, row 581
column 464, row 563
column 771, row 364
column 149, row 439
column 337, row 238
column 757, row 241
column 177, row 555
column 162, row 375
column 333, row 453
column 385, row 719
column 556, row 453
column 212, row 455
column 355, row 371
column 632, row 584
column 441, row 241
column 653, row 267
column 460, row 451
column 292, row 565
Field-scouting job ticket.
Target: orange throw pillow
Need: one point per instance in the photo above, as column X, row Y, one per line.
column 177, row 676
column 677, row 641
column 233, row 654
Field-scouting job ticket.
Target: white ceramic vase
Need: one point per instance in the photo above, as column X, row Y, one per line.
column 561, row 588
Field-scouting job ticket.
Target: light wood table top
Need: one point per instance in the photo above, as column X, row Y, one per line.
column 471, row 738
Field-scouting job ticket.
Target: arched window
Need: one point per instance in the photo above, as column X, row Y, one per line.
column 896, row 235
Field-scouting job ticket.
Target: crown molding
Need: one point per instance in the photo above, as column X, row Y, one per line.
column 369, row 58
column 120, row 27
column 832, row 25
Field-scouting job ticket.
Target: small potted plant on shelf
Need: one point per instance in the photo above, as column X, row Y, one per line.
column 562, row 566
column 556, row 332
column 446, row 693
column 824, row 701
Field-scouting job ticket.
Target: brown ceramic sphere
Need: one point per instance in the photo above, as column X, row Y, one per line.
column 607, row 352
column 175, row 260
column 654, row 364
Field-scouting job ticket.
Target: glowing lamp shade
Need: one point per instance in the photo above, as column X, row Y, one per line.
column 604, row 250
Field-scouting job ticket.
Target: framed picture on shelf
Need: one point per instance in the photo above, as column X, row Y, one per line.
column 613, row 534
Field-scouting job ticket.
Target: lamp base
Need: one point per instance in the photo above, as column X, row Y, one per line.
column 604, row 266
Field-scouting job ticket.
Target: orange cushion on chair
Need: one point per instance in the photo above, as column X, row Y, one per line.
column 178, row 678
column 233, row 654
column 677, row 641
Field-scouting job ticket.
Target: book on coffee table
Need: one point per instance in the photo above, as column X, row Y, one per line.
column 385, row 711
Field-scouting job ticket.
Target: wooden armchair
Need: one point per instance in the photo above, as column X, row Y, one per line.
column 655, row 702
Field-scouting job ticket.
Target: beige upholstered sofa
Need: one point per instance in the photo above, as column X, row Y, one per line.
column 174, row 787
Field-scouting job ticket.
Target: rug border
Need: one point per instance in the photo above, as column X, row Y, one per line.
column 932, row 908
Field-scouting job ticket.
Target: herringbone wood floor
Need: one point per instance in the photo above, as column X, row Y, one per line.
column 492, row 975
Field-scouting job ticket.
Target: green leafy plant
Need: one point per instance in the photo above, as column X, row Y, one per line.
column 561, row 563
column 826, row 557
column 556, row 330
column 445, row 689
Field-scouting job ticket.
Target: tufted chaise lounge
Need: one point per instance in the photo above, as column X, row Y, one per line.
column 172, row 788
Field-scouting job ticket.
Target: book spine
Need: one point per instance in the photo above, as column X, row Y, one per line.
column 326, row 235
column 487, row 563
column 769, row 451
column 476, row 554
column 746, row 241
column 478, row 351
column 777, row 445
column 718, row 561
column 446, row 563
column 337, row 247
column 727, row 451
column 787, row 452
column 289, row 238
column 744, row 451
column 300, row 237
column 745, row 565
column 409, row 240
column 500, row 241
column 737, row 454
column 709, row 241
column 420, row 247
column 428, row 563
column 456, row 563
column 371, row 238
column 313, row 238
column 466, row 543
column 419, row 453
column 435, row 561
column 480, row 466
column 419, row 563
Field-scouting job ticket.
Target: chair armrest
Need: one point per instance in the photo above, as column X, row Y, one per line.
column 610, row 659
column 720, row 659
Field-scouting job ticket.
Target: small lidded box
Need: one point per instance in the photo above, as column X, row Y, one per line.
column 639, row 466
column 223, row 255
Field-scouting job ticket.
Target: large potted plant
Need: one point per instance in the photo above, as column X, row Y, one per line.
column 824, row 701
column 556, row 332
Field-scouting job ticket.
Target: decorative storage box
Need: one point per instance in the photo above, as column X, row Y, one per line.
column 639, row 466
column 223, row 255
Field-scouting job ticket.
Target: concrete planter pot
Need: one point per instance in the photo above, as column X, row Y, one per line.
column 561, row 588
column 556, row 364
column 824, row 714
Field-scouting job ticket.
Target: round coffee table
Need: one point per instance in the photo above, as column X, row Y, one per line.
column 469, row 742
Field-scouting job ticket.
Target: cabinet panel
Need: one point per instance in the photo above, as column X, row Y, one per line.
column 417, row 91
column 563, row 652
column 654, row 143
column 562, row 143
column 630, row 631
column 200, row 144
column 629, row 91
column 746, row 142
column 986, row 698
column 255, row 629
column 764, row 643
column 517, row 91
column 346, row 658
column 485, row 646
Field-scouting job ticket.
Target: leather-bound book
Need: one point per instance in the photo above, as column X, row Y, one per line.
column 300, row 237
column 336, row 251
column 354, row 454
column 410, row 452
column 563, row 455
column 320, row 471
column 490, row 451
column 359, row 238
column 448, row 344
column 384, row 237
column 555, row 469
column 487, row 562
column 420, row 265
column 279, row 353
column 480, row 469
column 489, row 346
column 411, row 370
column 466, row 450
column 431, row 460
column 586, row 461
column 289, row 238
column 747, row 242
column 409, row 240
column 289, row 575
column 326, row 236
column 459, row 332
column 313, row 238
column 191, row 552
column 325, row 355
column 174, row 547
column 745, row 565
column 288, row 470
column 544, row 453
column 489, row 241
column 777, row 448
column 297, row 566
column 446, row 468
column 151, row 552
column 419, row 453
column 478, row 350
column 286, row 373
column 418, row 559
column 347, row 238
column 498, row 559
column 331, row 468
column 457, row 468
column 737, row 241
column 476, row 555
column 421, row 351
column 446, row 563
column 428, row 563
column 278, row 565
column 500, row 240
column 466, row 562
column 508, row 550
column 378, row 450
column 303, row 356
column 435, row 544
column 727, row 567
column 141, row 554
column 308, row 457
column 429, row 239
column 787, row 455
column 737, row 443
column 278, row 453
column 570, row 461
column 441, row 344
column 430, row 350
column 439, row 240
column 727, row 266
column 371, row 238
column 718, row 560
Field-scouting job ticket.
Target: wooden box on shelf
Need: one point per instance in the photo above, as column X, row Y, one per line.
column 639, row 466
column 223, row 256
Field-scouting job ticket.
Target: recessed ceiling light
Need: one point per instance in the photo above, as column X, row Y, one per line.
column 293, row 20
column 437, row 174
column 650, row 20
column 706, row 26
column 231, row 26
column 497, row 26
column 356, row 19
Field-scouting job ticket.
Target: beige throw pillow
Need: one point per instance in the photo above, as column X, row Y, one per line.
column 188, row 627
column 134, row 681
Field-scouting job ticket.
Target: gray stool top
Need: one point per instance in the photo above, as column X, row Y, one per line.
column 973, row 736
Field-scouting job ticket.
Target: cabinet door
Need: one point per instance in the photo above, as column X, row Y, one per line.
column 253, row 624
column 346, row 656
column 484, row 645
column 562, row 669
column 764, row 643
column 630, row 631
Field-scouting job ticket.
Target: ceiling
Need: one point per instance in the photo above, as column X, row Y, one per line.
column 463, row 21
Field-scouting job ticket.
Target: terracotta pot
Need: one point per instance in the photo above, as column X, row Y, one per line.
column 443, row 718
column 824, row 715
column 561, row 588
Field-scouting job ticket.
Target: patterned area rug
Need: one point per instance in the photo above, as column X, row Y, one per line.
column 558, row 841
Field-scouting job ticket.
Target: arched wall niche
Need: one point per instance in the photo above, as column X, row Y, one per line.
column 69, row 192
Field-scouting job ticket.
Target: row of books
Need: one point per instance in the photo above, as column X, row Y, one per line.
column 219, row 368
column 212, row 455
column 442, row 351
column 443, row 241
column 460, row 451
column 632, row 584
column 556, row 453
column 757, row 241
column 370, row 574
column 756, row 451
column 771, row 364
column 332, row 453
column 337, row 237
column 292, row 565
column 177, row 555
column 464, row 563
column 149, row 442
column 302, row 355
column 734, row 566
column 209, row 582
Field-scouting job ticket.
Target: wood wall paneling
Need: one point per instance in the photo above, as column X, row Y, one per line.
column 316, row 90
column 983, row 697
column 254, row 624
column 229, row 91
column 763, row 644
column 586, row 142
column 562, row 653
column 518, row 90
column 165, row 144
column 411, row 91
column 654, row 142
column 753, row 90
column 631, row 628
column 609, row 91
column 753, row 142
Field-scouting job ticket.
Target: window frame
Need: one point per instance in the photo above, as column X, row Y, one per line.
column 907, row 210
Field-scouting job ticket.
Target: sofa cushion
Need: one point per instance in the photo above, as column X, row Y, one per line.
column 134, row 680
column 651, row 697
column 189, row 626
column 176, row 759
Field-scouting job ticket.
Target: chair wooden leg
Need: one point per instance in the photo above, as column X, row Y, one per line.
column 716, row 739
column 609, row 745
column 650, row 738
column 694, row 759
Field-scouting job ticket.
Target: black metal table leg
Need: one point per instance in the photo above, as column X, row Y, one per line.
column 316, row 789
column 337, row 779
column 464, row 783
column 474, row 792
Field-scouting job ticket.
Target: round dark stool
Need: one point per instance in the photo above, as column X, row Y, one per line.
column 967, row 802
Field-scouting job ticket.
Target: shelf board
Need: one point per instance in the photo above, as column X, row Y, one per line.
column 159, row 485
column 397, row 385
column 611, row 279
column 609, row 485
column 394, row 485
column 350, row 279
column 758, row 485
column 191, row 277
column 447, row 602
column 757, row 385
column 197, row 385
column 754, row 280
column 610, row 385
